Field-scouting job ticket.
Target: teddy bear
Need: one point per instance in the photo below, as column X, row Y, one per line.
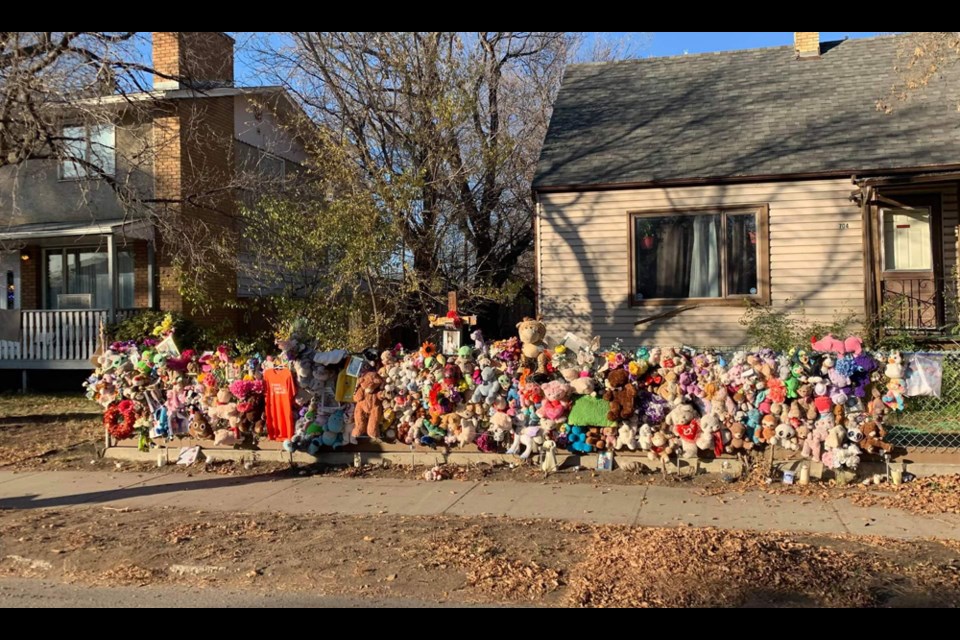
column 489, row 388
column 609, row 438
column 739, row 442
column 873, row 434
column 627, row 437
column 556, row 402
column 645, row 437
column 532, row 333
column 661, row 447
column 368, row 410
column 684, row 423
column 620, row 394
column 583, row 385
column 670, row 387
column 450, row 423
column 813, row 443
column 594, row 438
column 711, row 436
column 467, row 430
column 768, row 428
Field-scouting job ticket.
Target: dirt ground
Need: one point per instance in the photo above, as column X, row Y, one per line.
column 475, row 560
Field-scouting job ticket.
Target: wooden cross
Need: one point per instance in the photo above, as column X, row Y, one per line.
column 444, row 321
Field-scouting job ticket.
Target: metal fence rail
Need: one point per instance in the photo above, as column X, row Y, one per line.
column 928, row 424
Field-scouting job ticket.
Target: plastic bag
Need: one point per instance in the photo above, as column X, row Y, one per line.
column 924, row 374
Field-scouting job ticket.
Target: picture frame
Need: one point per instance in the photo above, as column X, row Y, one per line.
column 355, row 366
column 605, row 461
column 452, row 341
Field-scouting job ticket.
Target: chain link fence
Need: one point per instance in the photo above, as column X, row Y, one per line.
column 931, row 424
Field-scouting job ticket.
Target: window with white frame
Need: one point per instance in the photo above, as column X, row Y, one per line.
column 89, row 152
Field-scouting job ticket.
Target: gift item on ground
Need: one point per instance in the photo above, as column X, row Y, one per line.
column 513, row 396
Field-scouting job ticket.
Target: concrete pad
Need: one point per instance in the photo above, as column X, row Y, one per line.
column 64, row 489
column 328, row 495
column 879, row 521
column 599, row 505
column 213, row 493
column 12, row 476
column 668, row 506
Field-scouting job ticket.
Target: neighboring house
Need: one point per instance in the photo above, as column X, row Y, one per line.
column 73, row 253
column 674, row 191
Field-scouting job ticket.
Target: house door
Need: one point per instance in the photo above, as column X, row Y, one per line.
column 911, row 273
column 10, row 279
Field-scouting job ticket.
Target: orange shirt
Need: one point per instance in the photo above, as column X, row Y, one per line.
column 279, row 392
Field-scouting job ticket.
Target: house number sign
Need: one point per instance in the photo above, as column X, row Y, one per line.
column 843, row 225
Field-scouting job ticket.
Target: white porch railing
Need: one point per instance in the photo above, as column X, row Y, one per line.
column 55, row 335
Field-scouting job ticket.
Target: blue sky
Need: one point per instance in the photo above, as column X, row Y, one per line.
column 672, row 43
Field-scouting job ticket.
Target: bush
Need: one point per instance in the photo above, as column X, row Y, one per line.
column 141, row 325
column 782, row 330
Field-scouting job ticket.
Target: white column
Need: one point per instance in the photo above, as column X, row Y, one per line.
column 112, row 276
column 151, row 288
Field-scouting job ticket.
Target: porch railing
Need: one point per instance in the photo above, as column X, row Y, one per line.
column 57, row 336
column 921, row 306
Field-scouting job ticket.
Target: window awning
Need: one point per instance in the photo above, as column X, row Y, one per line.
column 133, row 229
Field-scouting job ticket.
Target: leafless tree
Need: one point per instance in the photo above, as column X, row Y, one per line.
column 461, row 116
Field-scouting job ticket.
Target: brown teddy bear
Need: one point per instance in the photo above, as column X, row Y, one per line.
column 595, row 438
column 873, row 435
column 620, row 394
column 669, row 389
column 739, row 443
column 532, row 333
column 369, row 410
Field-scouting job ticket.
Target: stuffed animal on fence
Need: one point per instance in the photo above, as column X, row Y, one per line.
column 368, row 409
column 620, row 394
column 873, row 435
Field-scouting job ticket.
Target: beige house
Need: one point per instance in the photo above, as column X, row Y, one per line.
column 673, row 192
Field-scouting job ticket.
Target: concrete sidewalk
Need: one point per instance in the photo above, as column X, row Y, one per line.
column 636, row 505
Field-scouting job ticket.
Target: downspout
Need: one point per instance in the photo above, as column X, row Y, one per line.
column 537, row 306
column 869, row 253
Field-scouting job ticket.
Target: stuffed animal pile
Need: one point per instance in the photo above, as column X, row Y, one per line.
column 827, row 402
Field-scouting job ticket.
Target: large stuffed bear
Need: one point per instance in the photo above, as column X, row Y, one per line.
column 620, row 394
column 369, row 410
column 683, row 420
column 532, row 333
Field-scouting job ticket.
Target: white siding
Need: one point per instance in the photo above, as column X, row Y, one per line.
column 583, row 251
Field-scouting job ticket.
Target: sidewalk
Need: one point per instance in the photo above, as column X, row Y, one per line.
column 636, row 505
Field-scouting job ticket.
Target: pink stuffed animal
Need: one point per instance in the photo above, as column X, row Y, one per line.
column 829, row 344
column 556, row 401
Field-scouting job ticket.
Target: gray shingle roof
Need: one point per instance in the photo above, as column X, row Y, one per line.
column 744, row 113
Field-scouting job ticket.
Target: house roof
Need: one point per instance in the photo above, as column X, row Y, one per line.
column 737, row 114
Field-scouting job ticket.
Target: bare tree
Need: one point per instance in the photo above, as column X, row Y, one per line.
column 459, row 115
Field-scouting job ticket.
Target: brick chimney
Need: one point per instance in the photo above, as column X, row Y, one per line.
column 197, row 59
column 806, row 44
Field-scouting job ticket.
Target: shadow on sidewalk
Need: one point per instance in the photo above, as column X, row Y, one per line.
column 32, row 501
